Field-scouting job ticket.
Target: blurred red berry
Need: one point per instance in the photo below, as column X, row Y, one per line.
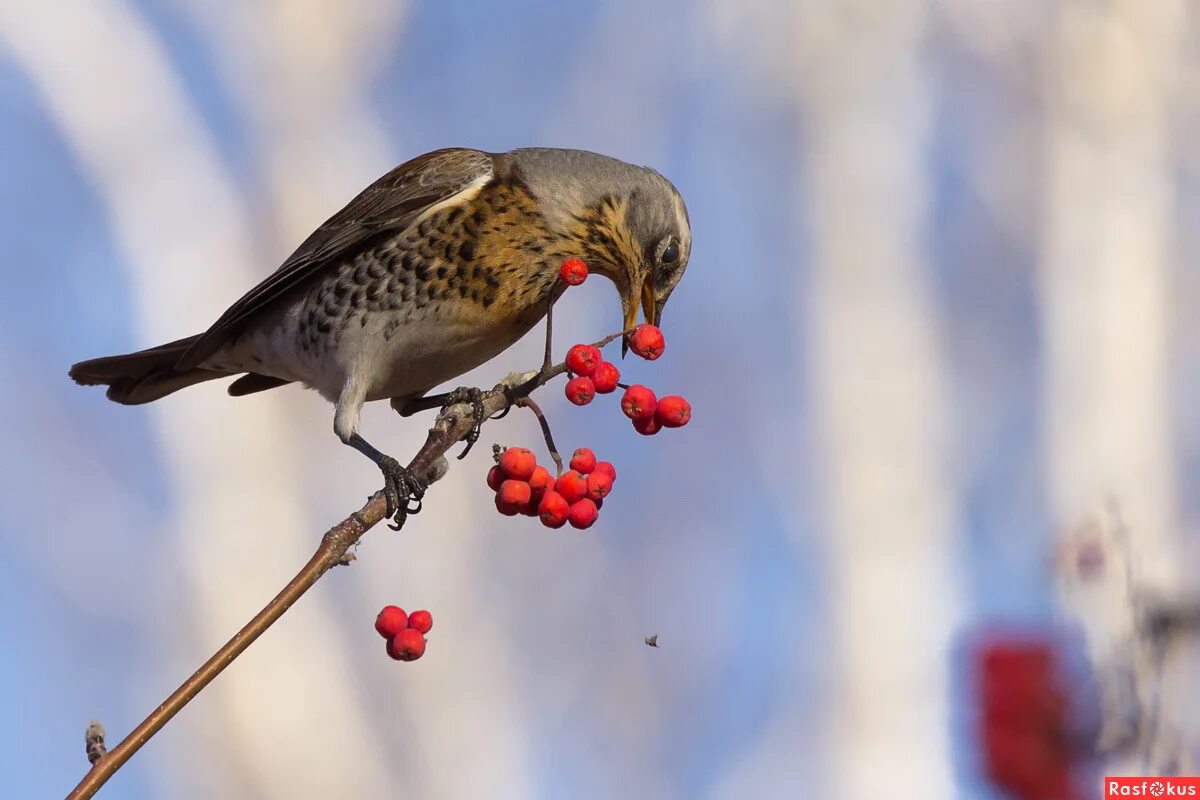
column 582, row 513
column 647, row 426
column 639, row 402
column 515, row 492
column 673, row 411
column 495, row 477
column 421, row 621
column 391, row 620
column 518, row 463
column 573, row 272
column 407, row 645
column 583, row 460
column 647, row 341
column 553, row 510
column 598, row 485
column 572, row 486
column 1024, row 729
column 540, row 481
column 507, row 509
column 582, row 359
column 606, row 377
column 607, row 468
column 581, row 390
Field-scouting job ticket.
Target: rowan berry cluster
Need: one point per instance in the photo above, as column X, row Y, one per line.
column 525, row 487
column 522, row 486
column 593, row 375
column 405, row 633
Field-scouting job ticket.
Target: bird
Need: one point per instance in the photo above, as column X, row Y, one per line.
column 435, row 268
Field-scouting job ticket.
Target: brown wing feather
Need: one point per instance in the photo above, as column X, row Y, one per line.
column 387, row 206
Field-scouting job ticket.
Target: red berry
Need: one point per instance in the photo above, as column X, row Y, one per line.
column 605, row 377
column 582, row 359
column 581, row 390
column 647, row 341
column 639, row 402
column 571, row 485
column 507, row 509
column 583, row 460
column 540, row 481
column 391, row 620
column 573, row 272
column 598, row 485
column 515, row 493
column 607, row 468
column 495, row 477
column 553, row 510
column 407, row 645
column 673, row 411
column 582, row 513
column 647, row 426
column 421, row 621
column 518, row 463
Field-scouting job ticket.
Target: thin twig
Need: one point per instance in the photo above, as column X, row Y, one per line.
column 531, row 404
column 451, row 425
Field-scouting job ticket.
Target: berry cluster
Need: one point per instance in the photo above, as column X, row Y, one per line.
column 523, row 486
column 405, row 633
column 593, row 375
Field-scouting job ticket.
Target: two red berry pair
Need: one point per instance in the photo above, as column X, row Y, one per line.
column 523, row 486
column 651, row 414
column 405, row 633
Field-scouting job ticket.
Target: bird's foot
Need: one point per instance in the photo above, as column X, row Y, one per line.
column 400, row 488
column 475, row 398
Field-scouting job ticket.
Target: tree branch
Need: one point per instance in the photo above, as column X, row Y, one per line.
column 452, row 424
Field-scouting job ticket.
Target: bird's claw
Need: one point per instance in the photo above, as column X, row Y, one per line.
column 400, row 487
column 475, row 398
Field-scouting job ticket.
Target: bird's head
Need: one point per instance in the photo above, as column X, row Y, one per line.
column 627, row 223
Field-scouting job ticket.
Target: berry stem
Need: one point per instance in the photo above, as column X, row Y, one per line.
column 547, row 359
column 531, row 404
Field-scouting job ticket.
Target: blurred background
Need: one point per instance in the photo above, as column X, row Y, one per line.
column 941, row 309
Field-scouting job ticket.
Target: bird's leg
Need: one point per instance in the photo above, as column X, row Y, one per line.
column 400, row 486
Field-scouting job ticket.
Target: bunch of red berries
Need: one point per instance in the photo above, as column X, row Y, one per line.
column 593, row 375
column 1023, row 721
column 405, row 633
column 523, row 486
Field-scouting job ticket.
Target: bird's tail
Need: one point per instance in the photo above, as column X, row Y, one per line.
column 135, row 378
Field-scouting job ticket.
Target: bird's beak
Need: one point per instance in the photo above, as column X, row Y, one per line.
column 650, row 311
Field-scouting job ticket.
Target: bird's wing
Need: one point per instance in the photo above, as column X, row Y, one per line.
column 384, row 208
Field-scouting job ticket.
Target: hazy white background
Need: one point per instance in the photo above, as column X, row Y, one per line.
column 942, row 302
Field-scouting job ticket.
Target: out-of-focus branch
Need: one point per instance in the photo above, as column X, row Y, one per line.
column 452, row 424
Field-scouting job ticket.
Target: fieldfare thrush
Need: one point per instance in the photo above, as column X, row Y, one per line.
column 432, row 270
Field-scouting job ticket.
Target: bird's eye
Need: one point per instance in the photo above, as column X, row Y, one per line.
column 671, row 254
